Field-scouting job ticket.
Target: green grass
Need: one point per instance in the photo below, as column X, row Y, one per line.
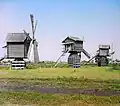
column 101, row 78
column 101, row 73
column 47, row 65
column 81, row 83
column 36, row 99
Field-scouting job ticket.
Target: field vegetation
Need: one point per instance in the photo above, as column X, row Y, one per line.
column 37, row 99
column 88, row 77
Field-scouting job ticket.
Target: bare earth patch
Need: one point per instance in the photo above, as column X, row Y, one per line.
column 58, row 90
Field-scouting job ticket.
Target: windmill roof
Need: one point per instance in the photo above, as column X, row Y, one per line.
column 73, row 38
column 104, row 46
column 16, row 37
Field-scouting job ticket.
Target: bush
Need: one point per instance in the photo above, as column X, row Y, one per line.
column 48, row 64
column 32, row 66
column 5, row 68
column 116, row 66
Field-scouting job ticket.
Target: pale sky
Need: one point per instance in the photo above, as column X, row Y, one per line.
column 98, row 21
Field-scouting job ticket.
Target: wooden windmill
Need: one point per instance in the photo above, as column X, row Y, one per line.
column 73, row 46
column 33, row 49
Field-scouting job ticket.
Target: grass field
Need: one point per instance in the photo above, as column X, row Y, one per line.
column 98, row 78
column 101, row 73
column 35, row 99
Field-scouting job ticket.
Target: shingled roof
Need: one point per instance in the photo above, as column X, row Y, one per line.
column 16, row 37
column 104, row 46
column 72, row 38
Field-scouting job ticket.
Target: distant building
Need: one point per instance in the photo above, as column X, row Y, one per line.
column 102, row 54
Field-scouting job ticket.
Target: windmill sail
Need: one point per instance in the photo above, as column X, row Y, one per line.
column 32, row 24
column 33, row 49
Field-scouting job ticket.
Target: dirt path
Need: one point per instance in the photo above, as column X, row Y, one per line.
column 59, row 90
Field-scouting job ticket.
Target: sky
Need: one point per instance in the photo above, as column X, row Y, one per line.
column 97, row 21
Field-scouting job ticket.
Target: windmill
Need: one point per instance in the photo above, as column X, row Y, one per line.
column 33, row 49
column 73, row 46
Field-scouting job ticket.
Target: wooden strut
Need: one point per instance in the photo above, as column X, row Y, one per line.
column 56, row 63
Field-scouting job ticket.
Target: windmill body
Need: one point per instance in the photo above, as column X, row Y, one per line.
column 33, row 49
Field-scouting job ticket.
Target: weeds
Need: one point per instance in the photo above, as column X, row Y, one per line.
column 114, row 66
column 50, row 99
column 46, row 65
column 64, row 82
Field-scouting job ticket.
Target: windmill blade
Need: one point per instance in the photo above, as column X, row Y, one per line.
column 35, row 26
column 32, row 23
column 25, row 32
column 33, row 50
column 83, row 39
column 112, row 53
